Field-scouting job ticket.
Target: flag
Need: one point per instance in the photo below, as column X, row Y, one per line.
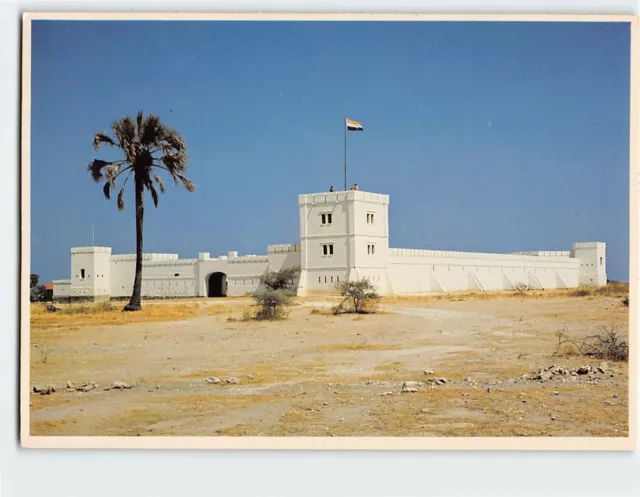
column 354, row 125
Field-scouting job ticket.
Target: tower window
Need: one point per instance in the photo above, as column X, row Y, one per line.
column 327, row 249
column 326, row 218
column 601, row 261
column 82, row 273
column 371, row 249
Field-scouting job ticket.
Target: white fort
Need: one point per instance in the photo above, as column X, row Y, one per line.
column 344, row 236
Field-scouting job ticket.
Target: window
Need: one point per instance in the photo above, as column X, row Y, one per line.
column 332, row 279
column 338, row 279
column 326, row 218
column 177, row 274
column 601, row 261
column 319, row 279
column 369, row 217
column 327, row 249
column 372, row 218
column 325, row 279
column 82, row 273
column 371, row 249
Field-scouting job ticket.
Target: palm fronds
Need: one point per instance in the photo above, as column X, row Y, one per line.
column 148, row 145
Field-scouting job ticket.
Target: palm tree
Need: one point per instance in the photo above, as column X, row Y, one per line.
column 148, row 146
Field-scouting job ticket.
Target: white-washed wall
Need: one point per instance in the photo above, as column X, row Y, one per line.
column 61, row 289
column 243, row 273
column 429, row 271
column 171, row 277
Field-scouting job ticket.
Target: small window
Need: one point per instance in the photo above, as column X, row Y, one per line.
column 324, row 219
column 177, row 274
column 327, row 249
column 82, row 273
column 325, row 279
column 329, row 218
column 601, row 261
column 373, row 249
column 368, row 218
column 372, row 218
column 338, row 279
column 319, row 279
column 332, row 279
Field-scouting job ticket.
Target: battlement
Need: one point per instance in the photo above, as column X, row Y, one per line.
column 287, row 247
column 145, row 257
column 90, row 250
column 248, row 258
column 336, row 197
column 550, row 256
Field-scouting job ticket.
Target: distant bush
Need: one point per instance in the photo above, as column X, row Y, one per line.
column 280, row 280
column 582, row 291
column 360, row 297
column 276, row 297
column 273, row 304
column 36, row 290
column 607, row 345
column 521, row 288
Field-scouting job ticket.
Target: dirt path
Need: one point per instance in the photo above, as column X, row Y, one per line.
column 320, row 375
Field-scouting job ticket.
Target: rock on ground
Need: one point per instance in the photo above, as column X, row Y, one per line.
column 119, row 385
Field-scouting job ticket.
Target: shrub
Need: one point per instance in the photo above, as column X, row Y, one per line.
column 272, row 304
column 280, row 280
column 606, row 345
column 359, row 297
column 582, row 291
column 276, row 295
column 521, row 288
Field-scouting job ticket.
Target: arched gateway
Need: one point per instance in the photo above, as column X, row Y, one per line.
column 217, row 285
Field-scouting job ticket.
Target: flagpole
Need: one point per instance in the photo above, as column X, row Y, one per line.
column 345, row 152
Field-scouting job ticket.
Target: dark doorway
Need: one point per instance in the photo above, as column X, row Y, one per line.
column 217, row 285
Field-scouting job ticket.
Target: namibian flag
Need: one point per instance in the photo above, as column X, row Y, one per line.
column 354, row 125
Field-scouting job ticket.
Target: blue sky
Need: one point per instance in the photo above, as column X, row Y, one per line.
column 487, row 136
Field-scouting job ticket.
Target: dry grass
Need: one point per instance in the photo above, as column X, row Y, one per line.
column 76, row 315
column 612, row 289
column 73, row 316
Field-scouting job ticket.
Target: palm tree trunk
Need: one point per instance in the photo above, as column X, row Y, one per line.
column 136, row 296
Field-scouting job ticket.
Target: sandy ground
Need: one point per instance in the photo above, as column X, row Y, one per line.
column 322, row 375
